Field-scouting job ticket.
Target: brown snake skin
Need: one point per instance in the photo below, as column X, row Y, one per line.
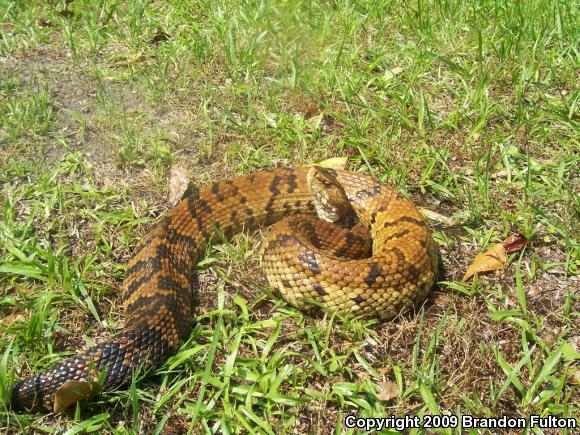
column 158, row 295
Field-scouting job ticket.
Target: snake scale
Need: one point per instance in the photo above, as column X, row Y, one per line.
column 331, row 267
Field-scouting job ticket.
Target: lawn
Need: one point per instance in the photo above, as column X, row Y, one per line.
column 468, row 107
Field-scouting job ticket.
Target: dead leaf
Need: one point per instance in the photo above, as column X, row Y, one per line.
column 442, row 299
column 43, row 22
column 312, row 111
column 535, row 291
column 70, row 393
column 388, row 391
column 558, row 270
column 436, row 217
column 334, row 163
column 128, row 62
column 574, row 378
column 384, row 371
column 500, row 174
column 390, row 73
column 21, row 289
column 160, row 36
column 14, row 316
column 514, row 243
column 178, row 184
column 494, row 259
column 66, row 13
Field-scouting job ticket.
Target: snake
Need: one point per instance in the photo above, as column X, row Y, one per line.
column 342, row 242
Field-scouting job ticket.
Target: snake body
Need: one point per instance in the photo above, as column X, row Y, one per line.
column 157, row 290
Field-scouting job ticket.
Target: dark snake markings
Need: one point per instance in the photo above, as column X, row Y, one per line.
column 336, row 268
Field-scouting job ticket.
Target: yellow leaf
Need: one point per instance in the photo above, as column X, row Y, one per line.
column 389, row 390
column 494, row 259
column 130, row 61
column 334, row 163
column 70, row 393
column 436, row 217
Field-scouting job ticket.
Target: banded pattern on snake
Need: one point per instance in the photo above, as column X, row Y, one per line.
column 305, row 260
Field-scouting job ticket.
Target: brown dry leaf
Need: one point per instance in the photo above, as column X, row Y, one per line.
column 70, row 393
column 66, row 13
column 535, row 291
column 389, row 390
column 494, row 259
column 384, row 371
column 21, row 289
column 436, row 217
column 9, row 320
column 442, row 299
column 14, row 316
column 312, row 111
column 574, row 378
column 128, row 62
column 43, row 22
column 178, row 184
column 160, row 36
column 501, row 173
column 334, row 163
column 514, row 243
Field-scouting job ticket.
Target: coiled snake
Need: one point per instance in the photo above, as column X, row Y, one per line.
column 306, row 261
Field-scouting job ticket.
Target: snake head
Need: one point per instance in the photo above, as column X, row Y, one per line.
column 330, row 199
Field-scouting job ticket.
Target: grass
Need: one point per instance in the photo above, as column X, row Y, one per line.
column 468, row 107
